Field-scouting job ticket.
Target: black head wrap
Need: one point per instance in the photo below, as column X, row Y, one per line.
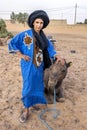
column 38, row 14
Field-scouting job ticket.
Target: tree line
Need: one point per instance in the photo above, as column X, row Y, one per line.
column 21, row 17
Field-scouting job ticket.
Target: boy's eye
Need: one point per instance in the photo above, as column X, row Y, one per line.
column 37, row 22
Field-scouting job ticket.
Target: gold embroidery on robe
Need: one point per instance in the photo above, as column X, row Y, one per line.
column 27, row 39
column 38, row 55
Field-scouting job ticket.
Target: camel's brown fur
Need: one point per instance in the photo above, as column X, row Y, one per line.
column 53, row 78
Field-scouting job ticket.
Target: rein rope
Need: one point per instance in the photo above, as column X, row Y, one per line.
column 55, row 115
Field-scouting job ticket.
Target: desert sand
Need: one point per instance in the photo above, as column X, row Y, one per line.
column 71, row 43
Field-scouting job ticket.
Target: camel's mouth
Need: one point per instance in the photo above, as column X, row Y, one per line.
column 52, row 83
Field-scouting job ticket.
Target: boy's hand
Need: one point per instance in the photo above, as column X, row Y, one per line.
column 59, row 59
column 25, row 57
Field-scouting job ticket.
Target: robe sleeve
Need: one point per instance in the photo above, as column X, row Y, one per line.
column 14, row 44
column 51, row 50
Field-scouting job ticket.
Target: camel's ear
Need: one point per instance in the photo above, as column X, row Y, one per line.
column 68, row 64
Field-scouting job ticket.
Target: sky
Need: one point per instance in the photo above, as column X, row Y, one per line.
column 56, row 9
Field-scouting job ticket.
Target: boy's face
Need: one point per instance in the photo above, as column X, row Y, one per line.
column 38, row 24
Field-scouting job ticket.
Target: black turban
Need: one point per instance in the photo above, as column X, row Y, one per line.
column 38, row 14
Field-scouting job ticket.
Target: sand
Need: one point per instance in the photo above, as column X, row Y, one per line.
column 71, row 43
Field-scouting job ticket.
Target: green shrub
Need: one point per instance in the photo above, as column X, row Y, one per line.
column 3, row 31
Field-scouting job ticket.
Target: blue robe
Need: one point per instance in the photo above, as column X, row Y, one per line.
column 33, row 84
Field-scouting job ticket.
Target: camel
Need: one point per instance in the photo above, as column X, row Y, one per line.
column 53, row 78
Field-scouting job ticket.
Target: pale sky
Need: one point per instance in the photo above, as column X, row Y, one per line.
column 56, row 9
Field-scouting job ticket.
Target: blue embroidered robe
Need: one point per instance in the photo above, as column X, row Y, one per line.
column 33, row 84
